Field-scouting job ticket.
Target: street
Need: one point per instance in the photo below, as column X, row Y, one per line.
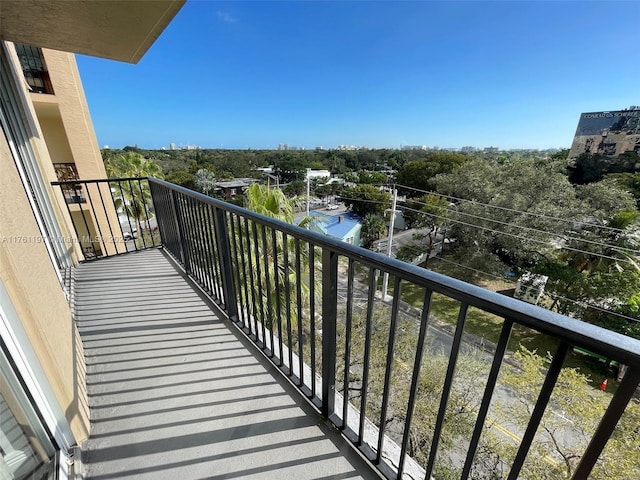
column 439, row 341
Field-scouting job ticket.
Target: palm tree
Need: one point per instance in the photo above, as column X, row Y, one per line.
column 204, row 180
column 275, row 281
column 132, row 164
column 133, row 197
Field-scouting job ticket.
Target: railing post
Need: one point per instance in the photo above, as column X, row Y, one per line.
column 224, row 251
column 329, row 319
column 184, row 249
column 608, row 423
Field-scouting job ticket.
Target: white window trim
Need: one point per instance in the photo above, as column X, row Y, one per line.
column 28, row 365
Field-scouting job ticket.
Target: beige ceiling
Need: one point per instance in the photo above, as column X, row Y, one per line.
column 116, row 29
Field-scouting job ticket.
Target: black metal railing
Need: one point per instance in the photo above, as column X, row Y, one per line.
column 110, row 217
column 311, row 304
column 374, row 367
column 67, row 172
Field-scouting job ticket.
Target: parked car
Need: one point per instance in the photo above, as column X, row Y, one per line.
column 332, row 207
column 129, row 235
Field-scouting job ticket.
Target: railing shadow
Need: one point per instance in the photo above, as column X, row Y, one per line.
column 157, row 412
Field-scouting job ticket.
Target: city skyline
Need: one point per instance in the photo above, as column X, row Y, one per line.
column 382, row 75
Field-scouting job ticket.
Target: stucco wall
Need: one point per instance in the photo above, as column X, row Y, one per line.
column 74, row 113
column 55, row 137
column 29, row 277
column 67, row 130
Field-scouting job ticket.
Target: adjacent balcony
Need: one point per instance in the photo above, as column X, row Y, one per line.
column 67, row 172
column 232, row 345
column 34, row 69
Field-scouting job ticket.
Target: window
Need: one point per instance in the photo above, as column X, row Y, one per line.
column 26, row 450
column 34, row 68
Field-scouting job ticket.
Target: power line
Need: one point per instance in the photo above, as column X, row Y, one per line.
column 537, row 230
column 593, row 242
column 581, row 304
column 541, row 215
column 564, row 247
column 594, row 307
column 364, row 200
column 442, row 259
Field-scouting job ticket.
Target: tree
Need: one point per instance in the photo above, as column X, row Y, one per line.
column 510, row 213
column 566, row 428
column 181, row 177
column 604, row 199
column 599, row 267
column 624, row 319
column 131, row 197
column 428, row 214
column 204, row 180
column 366, row 199
column 271, row 202
column 619, row 460
column 630, row 181
column 295, row 188
column 371, row 178
column 290, row 167
column 132, row 164
column 417, row 174
column 589, row 168
column 508, row 209
column 373, row 227
column 270, row 284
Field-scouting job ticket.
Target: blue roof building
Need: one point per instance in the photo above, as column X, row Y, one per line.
column 345, row 226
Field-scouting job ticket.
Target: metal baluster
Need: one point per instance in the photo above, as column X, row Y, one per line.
column 541, row 404
column 329, row 319
column 446, row 390
column 387, row 373
column 415, row 378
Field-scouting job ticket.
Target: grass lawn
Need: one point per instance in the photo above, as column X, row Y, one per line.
column 488, row 326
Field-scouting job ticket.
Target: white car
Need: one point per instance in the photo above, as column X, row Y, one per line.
column 128, row 235
column 332, row 207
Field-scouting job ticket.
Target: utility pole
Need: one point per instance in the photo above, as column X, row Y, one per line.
column 276, row 178
column 308, row 178
column 385, row 280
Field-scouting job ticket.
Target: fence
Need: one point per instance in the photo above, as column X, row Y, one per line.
column 374, row 367
column 310, row 303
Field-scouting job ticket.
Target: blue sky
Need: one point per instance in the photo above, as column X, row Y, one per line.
column 380, row 74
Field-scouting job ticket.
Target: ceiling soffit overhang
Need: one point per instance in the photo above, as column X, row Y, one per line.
column 115, row 29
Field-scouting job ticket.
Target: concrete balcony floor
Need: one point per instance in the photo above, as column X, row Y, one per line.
column 176, row 392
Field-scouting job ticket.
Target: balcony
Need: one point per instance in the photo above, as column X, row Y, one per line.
column 238, row 346
column 34, row 69
column 175, row 391
column 67, row 172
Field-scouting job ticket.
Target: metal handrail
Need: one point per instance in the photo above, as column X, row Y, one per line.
column 591, row 337
column 225, row 249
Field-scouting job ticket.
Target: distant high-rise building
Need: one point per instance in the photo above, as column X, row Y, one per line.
column 607, row 133
column 172, row 146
